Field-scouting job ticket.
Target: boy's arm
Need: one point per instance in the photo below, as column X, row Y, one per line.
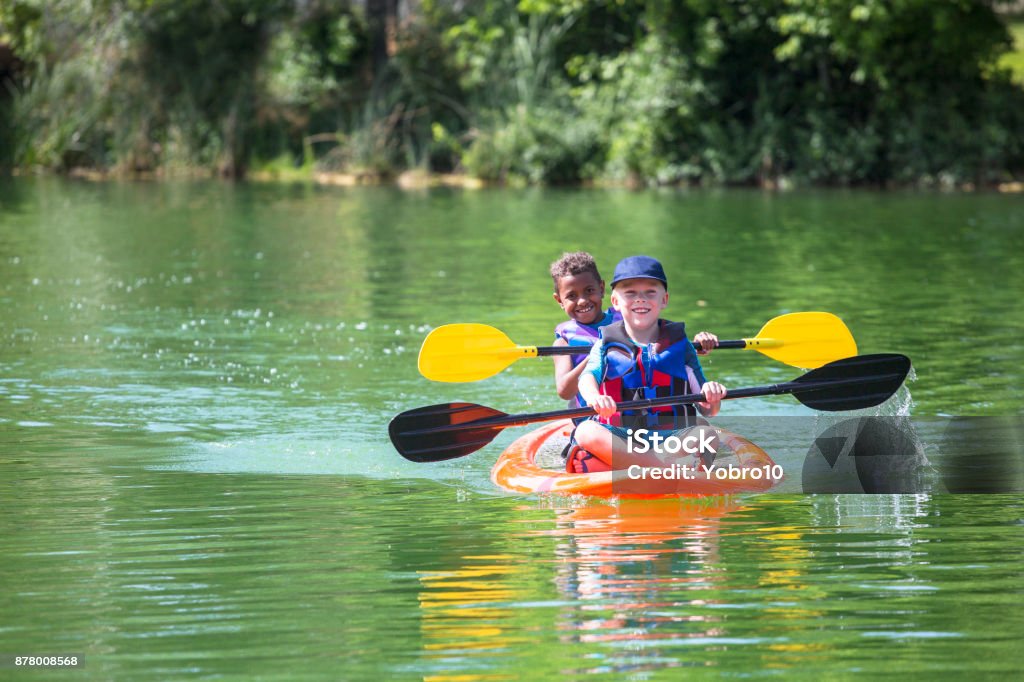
column 566, row 376
column 603, row 404
column 588, row 384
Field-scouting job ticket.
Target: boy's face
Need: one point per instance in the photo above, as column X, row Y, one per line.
column 581, row 297
column 640, row 301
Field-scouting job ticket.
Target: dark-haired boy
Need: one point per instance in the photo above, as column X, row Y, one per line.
column 579, row 289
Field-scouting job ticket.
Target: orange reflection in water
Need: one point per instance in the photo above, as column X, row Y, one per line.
column 645, row 576
column 638, row 585
column 638, row 560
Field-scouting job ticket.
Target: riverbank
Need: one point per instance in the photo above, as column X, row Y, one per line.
column 419, row 179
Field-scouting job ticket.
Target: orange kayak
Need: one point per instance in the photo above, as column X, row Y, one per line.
column 747, row 469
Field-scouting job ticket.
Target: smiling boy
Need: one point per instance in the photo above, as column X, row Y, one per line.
column 579, row 290
column 640, row 357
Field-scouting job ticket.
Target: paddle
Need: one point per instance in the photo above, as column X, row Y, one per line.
column 440, row 432
column 471, row 352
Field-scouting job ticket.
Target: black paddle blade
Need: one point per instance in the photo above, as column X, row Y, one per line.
column 853, row 383
column 411, row 432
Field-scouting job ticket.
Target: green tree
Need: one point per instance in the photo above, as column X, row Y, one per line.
column 643, row 91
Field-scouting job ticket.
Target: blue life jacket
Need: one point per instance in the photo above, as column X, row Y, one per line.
column 669, row 366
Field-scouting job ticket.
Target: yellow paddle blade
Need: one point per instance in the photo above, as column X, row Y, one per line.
column 468, row 352
column 805, row 340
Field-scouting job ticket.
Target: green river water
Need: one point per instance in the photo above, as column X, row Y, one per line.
column 196, row 480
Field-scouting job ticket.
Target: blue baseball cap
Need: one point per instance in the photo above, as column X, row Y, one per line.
column 639, row 267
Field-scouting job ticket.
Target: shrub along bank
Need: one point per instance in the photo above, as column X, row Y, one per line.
column 769, row 92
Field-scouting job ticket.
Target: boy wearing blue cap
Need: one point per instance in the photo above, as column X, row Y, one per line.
column 638, row 358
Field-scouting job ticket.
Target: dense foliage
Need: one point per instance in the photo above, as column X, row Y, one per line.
column 644, row 92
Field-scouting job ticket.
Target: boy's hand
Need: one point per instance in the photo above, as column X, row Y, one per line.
column 705, row 342
column 605, row 406
column 713, row 394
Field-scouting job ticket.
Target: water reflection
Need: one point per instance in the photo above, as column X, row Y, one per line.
column 634, row 574
column 465, row 615
column 639, row 574
column 754, row 583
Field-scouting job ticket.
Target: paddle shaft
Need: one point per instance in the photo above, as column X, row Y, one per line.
column 774, row 389
column 544, row 351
